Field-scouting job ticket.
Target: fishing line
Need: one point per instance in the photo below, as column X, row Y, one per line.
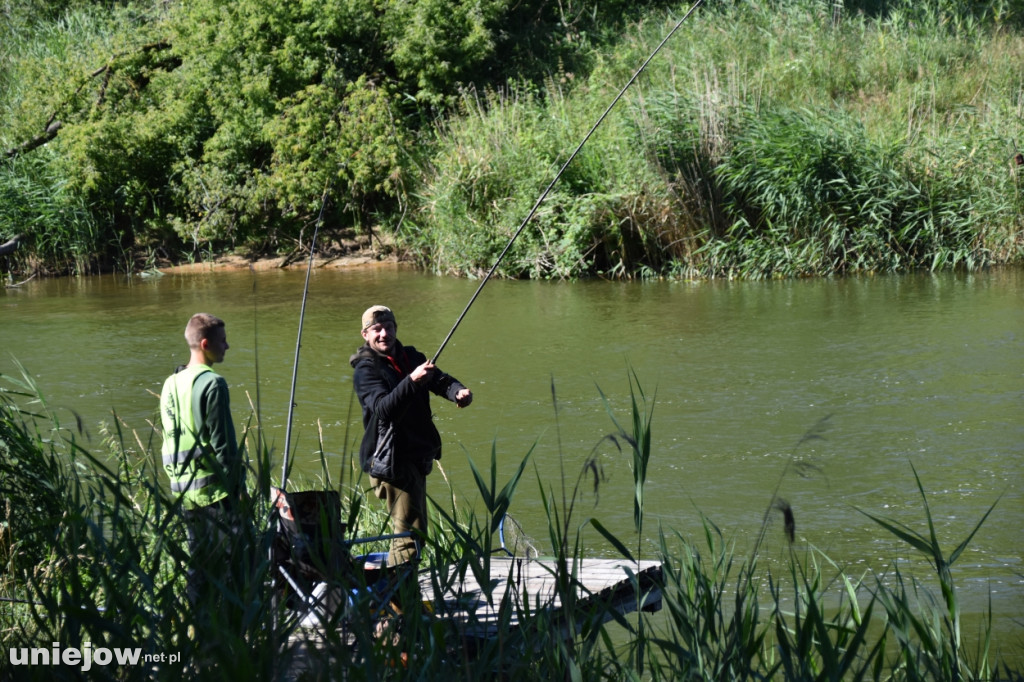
column 298, row 341
column 565, row 165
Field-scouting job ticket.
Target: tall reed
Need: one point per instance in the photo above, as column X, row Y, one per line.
column 94, row 552
column 772, row 139
column 932, row 639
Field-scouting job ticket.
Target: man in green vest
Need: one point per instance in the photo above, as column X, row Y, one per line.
column 201, row 457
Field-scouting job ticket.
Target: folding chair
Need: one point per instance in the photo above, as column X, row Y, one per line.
column 315, row 572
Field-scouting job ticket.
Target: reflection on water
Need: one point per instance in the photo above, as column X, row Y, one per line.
column 922, row 370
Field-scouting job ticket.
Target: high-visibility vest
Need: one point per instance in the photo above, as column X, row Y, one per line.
column 187, row 456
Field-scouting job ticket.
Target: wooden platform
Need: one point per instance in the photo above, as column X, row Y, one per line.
column 516, row 588
column 515, row 597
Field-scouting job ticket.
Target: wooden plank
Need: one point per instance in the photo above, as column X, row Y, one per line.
column 519, row 586
column 604, row 588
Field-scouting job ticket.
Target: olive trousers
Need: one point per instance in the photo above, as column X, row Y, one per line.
column 406, row 500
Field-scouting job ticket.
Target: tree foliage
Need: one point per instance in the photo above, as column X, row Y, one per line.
column 211, row 123
column 179, row 127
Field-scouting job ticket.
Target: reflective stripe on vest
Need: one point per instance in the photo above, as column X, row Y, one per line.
column 180, row 458
column 192, row 475
column 191, row 484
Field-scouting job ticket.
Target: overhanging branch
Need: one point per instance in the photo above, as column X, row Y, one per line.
column 53, row 125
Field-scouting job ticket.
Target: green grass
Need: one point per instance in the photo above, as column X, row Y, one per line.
column 767, row 140
column 770, row 138
column 93, row 550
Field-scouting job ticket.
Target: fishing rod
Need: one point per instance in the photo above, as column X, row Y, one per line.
column 565, row 165
column 298, row 341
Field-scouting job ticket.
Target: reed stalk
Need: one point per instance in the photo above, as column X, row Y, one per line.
column 93, row 550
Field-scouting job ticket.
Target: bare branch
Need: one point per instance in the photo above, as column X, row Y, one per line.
column 11, row 245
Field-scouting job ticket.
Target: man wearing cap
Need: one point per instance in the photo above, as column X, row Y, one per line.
column 400, row 442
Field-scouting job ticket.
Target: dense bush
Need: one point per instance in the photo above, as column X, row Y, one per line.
column 218, row 124
column 788, row 141
column 141, row 131
column 805, row 195
column 496, row 159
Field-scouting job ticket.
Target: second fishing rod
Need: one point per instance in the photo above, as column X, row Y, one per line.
column 544, row 194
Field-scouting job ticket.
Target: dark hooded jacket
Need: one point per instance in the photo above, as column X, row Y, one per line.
column 399, row 426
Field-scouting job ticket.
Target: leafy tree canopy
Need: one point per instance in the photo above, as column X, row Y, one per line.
column 223, row 121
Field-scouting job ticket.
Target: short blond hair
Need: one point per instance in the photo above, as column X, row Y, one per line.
column 199, row 327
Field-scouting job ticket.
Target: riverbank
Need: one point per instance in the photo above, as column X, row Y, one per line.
column 340, row 254
column 352, row 252
column 239, row 262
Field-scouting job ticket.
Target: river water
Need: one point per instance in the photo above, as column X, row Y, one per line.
column 896, row 374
